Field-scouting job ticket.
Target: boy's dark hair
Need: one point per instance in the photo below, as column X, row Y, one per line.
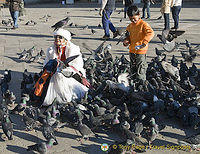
column 133, row 10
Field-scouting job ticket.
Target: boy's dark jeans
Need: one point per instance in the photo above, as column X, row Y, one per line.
column 138, row 65
column 146, row 6
column 166, row 18
column 175, row 14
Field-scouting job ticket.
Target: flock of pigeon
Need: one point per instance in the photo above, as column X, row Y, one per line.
column 117, row 102
column 27, row 55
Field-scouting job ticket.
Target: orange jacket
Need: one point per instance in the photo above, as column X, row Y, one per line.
column 140, row 33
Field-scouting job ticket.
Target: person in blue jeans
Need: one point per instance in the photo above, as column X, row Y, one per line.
column 176, row 8
column 146, row 6
column 14, row 11
column 107, row 7
column 127, row 3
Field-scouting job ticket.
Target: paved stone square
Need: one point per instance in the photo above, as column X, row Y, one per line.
column 40, row 36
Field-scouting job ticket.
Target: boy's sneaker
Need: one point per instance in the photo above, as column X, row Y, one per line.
column 106, row 37
column 115, row 34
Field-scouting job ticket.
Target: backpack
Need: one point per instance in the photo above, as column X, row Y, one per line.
column 43, row 82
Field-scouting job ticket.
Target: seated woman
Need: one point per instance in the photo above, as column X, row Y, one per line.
column 64, row 87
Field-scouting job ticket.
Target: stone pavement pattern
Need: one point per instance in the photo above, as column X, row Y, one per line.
column 40, row 36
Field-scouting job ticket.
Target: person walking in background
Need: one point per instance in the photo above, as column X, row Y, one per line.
column 140, row 35
column 165, row 10
column 176, row 8
column 127, row 3
column 14, row 11
column 107, row 7
column 146, row 6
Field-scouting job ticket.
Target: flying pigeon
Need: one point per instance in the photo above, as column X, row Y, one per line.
column 60, row 24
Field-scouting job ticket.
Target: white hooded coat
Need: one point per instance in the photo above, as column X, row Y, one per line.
column 63, row 88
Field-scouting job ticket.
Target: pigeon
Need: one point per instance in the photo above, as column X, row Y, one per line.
column 174, row 61
column 42, row 53
column 50, row 120
column 192, row 142
column 99, row 110
column 188, row 44
column 160, row 17
column 126, row 112
column 22, row 54
column 48, row 133
column 84, row 130
column 30, row 123
column 60, row 24
column 41, row 147
column 21, row 107
column 37, row 57
column 96, row 121
column 72, row 34
column 138, row 128
column 7, row 127
column 159, row 52
column 71, row 24
column 3, row 109
column 28, row 23
column 123, row 37
column 7, row 75
column 85, row 27
column 188, row 57
column 27, row 54
column 93, row 31
column 33, row 22
column 107, row 48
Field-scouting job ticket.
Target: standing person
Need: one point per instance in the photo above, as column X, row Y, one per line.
column 14, row 11
column 140, row 35
column 147, row 4
column 176, row 8
column 107, row 7
column 127, row 3
column 165, row 10
column 63, row 84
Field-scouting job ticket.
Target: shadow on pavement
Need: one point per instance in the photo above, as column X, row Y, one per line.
column 17, row 149
column 25, row 35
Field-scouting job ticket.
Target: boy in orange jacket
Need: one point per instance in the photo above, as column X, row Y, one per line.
column 140, row 35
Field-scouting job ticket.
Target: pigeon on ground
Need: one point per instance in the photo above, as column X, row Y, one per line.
column 138, row 128
column 21, row 107
column 30, row 123
column 85, row 27
column 48, row 133
column 93, row 31
column 71, row 24
column 41, row 147
column 42, row 53
column 160, row 17
column 99, row 110
column 174, row 61
column 7, row 127
column 84, row 130
column 193, row 142
column 37, row 57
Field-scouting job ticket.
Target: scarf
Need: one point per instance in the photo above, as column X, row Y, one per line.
column 61, row 52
